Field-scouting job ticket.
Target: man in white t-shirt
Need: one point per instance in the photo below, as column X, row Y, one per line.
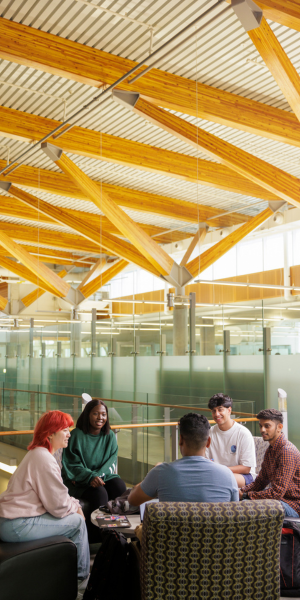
column 232, row 444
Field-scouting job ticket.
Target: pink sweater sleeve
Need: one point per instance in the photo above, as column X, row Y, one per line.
column 47, row 482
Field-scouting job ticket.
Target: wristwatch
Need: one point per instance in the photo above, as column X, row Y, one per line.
column 245, row 496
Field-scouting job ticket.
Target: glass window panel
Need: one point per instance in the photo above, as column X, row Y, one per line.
column 249, row 257
column 296, row 247
column 273, row 252
column 225, row 266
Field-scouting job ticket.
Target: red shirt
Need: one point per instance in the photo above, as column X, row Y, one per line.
column 280, row 468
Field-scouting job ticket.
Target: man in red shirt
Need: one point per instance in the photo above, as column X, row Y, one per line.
column 280, row 467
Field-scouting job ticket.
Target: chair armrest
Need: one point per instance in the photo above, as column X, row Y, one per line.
column 40, row 569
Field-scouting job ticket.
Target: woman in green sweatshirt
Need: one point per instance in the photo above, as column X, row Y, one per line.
column 89, row 463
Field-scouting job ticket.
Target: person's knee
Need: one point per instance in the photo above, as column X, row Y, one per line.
column 76, row 522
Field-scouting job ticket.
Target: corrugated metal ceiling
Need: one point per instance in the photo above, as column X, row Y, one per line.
column 221, row 55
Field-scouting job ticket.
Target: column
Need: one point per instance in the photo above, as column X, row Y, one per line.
column 207, row 338
column 180, row 326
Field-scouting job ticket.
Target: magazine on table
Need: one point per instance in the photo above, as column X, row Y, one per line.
column 112, row 521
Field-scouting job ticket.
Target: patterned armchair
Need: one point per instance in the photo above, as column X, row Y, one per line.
column 215, row 551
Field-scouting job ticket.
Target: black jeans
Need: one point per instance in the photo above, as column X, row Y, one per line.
column 98, row 497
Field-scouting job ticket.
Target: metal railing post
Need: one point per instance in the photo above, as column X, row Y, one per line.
column 175, row 442
column 48, row 402
column 134, row 442
column 32, row 410
column 75, row 409
column 117, row 465
column 167, row 417
column 11, row 410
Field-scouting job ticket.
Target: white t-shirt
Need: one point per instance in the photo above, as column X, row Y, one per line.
column 232, row 447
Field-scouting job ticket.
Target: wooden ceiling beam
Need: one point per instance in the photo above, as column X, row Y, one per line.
column 197, row 240
column 38, row 292
column 285, row 12
column 95, row 67
column 145, row 245
column 51, row 256
column 210, row 256
column 85, row 142
column 284, row 185
column 14, row 208
column 278, row 63
column 110, row 243
column 93, row 286
column 93, row 272
column 3, row 303
column 53, row 239
column 60, row 184
column 24, row 273
column 40, row 271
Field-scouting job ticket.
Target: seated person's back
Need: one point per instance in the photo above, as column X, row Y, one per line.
column 193, row 478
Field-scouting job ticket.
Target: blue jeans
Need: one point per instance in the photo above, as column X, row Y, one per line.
column 289, row 511
column 35, row 528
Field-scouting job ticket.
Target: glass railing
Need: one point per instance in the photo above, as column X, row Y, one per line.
column 146, row 430
column 130, row 356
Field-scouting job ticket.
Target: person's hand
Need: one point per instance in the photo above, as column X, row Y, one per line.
column 241, row 494
column 138, row 532
column 80, row 512
column 96, row 482
column 159, row 463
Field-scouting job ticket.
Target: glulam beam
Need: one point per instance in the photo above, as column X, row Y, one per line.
column 60, row 184
column 25, row 274
column 94, row 272
column 47, row 237
column 38, row 292
column 285, row 12
column 13, row 208
column 85, row 142
column 67, row 257
column 93, row 286
column 65, row 58
column 210, row 256
column 110, row 243
column 278, row 63
column 40, row 271
column 197, row 240
column 284, row 185
column 153, row 253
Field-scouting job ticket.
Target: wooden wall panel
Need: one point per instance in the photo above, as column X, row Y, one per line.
column 139, row 309
column 213, row 294
column 295, row 278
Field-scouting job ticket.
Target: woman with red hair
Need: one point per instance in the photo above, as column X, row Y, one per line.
column 36, row 503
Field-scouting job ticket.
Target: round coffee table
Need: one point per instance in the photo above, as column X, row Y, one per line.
column 129, row 532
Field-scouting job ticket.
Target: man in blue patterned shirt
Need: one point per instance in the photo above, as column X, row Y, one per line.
column 280, row 467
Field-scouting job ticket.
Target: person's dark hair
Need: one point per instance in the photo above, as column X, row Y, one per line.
column 194, row 430
column 83, row 422
column 220, row 400
column 270, row 414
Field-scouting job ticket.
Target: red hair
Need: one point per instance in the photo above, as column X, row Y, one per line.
column 51, row 422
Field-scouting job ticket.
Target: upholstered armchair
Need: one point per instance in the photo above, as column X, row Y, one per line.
column 211, row 551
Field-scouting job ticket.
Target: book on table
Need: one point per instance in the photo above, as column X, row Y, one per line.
column 112, row 521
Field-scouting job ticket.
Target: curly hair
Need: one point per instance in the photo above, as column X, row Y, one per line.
column 270, row 414
column 220, row 400
column 194, row 429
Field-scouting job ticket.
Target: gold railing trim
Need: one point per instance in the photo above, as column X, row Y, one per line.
column 129, row 426
column 236, row 412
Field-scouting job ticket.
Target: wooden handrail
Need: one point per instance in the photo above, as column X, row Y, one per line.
column 126, row 401
column 130, row 426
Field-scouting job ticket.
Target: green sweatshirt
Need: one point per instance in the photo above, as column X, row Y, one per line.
column 88, row 456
